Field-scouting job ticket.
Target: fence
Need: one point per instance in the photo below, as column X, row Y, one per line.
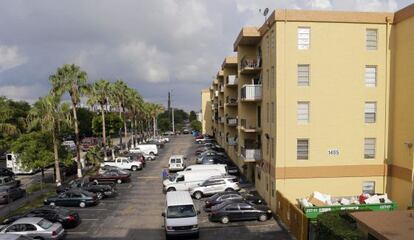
column 292, row 216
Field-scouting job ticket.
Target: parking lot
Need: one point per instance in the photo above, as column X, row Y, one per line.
column 136, row 212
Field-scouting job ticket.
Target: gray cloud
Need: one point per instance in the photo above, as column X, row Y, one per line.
column 153, row 45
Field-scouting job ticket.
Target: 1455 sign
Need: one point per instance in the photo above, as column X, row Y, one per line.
column 333, row 152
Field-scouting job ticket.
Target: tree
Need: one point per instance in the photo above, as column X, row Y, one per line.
column 119, row 95
column 164, row 124
column 193, row 116
column 71, row 79
column 155, row 110
column 99, row 95
column 196, row 125
column 112, row 124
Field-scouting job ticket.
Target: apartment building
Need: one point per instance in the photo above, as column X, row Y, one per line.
column 323, row 104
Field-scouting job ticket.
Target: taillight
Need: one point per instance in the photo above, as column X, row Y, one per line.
column 70, row 218
column 54, row 233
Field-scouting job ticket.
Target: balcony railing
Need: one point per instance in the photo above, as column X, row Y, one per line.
column 231, row 121
column 251, row 92
column 251, row 154
column 250, row 65
column 231, row 101
column 248, row 126
column 216, row 93
column 222, row 120
column 231, row 80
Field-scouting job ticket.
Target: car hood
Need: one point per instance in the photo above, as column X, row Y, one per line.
column 166, row 182
column 177, row 222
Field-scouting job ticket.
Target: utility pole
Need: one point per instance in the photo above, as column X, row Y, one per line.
column 172, row 112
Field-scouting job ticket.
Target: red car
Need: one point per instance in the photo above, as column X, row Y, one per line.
column 110, row 176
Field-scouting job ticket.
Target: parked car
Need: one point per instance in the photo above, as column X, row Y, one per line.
column 73, row 198
column 211, row 153
column 114, row 176
column 6, row 172
column 84, row 183
column 239, row 210
column 138, row 157
column 34, row 227
column 123, row 163
column 89, row 142
column 9, row 193
column 176, row 163
column 183, row 181
column 215, row 185
column 231, row 196
column 68, row 218
column 222, row 168
column 150, row 149
column 9, row 181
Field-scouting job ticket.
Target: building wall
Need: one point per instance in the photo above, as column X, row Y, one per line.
column 206, row 111
column 337, row 93
column 230, row 111
column 402, row 114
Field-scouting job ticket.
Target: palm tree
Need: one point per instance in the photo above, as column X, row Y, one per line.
column 119, row 96
column 6, row 128
column 134, row 104
column 155, row 110
column 99, row 95
column 70, row 78
column 47, row 113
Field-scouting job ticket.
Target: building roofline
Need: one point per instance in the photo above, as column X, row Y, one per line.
column 229, row 61
column 246, row 35
column 404, row 13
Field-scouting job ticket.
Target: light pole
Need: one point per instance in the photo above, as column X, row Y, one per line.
column 172, row 113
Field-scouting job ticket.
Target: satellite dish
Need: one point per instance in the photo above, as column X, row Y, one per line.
column 265, row 12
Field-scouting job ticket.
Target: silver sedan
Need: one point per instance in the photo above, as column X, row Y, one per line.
column 34, row 227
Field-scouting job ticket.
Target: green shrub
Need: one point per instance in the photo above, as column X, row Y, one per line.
column 337, row 225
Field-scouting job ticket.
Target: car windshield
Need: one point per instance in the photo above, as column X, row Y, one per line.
column 182, row 211
column 45, row 224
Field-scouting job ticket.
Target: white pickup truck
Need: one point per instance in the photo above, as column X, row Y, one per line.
column 123, row 163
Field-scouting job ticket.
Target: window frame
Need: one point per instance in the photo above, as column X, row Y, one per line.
column 370, row 112
column 299, row 114
column 368, row 42
column 367, row 81
column 301, row 81
column 301, row 45
column 374, row 148
column 298, row 154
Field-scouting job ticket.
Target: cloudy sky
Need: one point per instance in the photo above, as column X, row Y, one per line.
column 153, row 45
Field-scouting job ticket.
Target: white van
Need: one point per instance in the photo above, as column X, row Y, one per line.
column 14, row 165
column 180, row 215
column 222, row 168
column 150, row 149
column 176, row 163
column 183, row 181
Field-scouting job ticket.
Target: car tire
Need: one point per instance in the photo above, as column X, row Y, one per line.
column 134, row 168
column 152, row 154
column 52, row 204
column 171, row 189
column 82, row 204
column 198, row 195
column 229, row 190
column 99, row 195
column 224, row 220
column 262, row 217
column 119, row 181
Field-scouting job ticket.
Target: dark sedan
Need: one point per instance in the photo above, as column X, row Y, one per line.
column 6, row 172
column 117, row 176
column 66, row 217
column 73, row 198
column 84, row 183
column 239, row 210
column 231, row 196
column 9, row 193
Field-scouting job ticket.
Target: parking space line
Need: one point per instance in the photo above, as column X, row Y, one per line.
column 90, row 219
column 74, row 232
column 149, row 177
column 95, row 209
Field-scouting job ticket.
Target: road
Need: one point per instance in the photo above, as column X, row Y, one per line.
column 136, row 212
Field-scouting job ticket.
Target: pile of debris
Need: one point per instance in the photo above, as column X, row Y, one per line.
column 317, row 199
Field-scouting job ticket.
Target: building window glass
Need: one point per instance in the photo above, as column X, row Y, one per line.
column 303, row 38
column 303, row 74
column 371, row 39
column 303, row 112
column 302, row 149
column 370, row 76
column 369, row 148
column 370, row 112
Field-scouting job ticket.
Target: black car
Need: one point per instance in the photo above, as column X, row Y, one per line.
column 101, row 191
column 73, row 198
column 9, row 193
column 66, row 217
column 237, row 211
column 6, row 172
column 231, row 196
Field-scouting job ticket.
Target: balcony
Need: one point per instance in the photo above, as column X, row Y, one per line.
column 232, row 141
column 250, row 65
column 231, row 122
column 221, row 88
column 221, row 105
column 251, row 154
column 248, row 126
column 251, row 92
column 232, row 81
column 231, row 101
column 216, row 93
column 222, row 120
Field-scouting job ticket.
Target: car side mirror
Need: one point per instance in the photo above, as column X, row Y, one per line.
column 163, row 214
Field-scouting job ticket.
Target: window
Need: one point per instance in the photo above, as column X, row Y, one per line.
column 273, row 112
column 370, row 76
column 370, row 112
column 371, row 39
column 303, row 38
column 368, row 187
column 303, row 75
column 303, row 112
column 369, row 148
column 302, row 149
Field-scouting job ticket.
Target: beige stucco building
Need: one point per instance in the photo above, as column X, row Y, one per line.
column 322, row 104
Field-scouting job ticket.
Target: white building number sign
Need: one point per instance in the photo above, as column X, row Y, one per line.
column 333, row 152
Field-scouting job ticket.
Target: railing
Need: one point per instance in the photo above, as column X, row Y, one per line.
column 251, row 92
column 222, row 119
column 250, row 63
column 221, row 88
column 232, row 121
column 251, row 154
column 231, row 80
column 216, row 93
column 231, row 100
